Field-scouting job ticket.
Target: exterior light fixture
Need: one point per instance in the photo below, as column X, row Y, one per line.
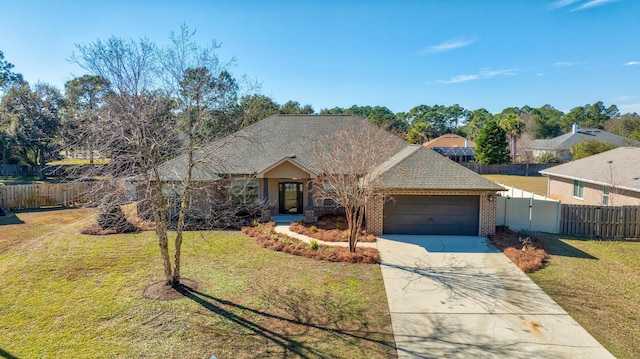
column 490, row 198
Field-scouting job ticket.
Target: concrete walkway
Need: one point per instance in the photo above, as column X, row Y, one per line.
column 459, row 297
column 284, row 229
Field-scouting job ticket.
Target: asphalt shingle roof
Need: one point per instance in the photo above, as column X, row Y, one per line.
column 620, row 167
column 259, row 146
column 449, row 140
column 564, row 142
column 423, row 168
column 264, row 143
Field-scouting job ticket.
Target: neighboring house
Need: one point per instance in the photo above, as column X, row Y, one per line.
column 561, row 145
column 271, row 161
column 456, row 148
column 608, row 178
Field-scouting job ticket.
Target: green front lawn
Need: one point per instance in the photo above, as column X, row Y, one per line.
column 598, row 284
column 535, row 184
column 70, row 295
column 12, row 180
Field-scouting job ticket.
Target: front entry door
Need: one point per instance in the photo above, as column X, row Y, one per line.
column 290, row 198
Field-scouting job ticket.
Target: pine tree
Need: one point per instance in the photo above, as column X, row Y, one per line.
column 492, row 146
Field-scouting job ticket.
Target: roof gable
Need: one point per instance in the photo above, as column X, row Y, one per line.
column 450, row 140
column 286, row 168
column 422, row 168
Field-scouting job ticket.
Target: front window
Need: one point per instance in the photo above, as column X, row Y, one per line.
column 244, row 190
column 605, row 195
column 578, row 189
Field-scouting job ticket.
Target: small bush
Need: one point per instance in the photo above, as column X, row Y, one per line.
column 313, row 229
column 111, row 217
column 313, row 244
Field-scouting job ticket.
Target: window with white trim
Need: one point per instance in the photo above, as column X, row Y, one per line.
column 605, row 195
column 578, row 189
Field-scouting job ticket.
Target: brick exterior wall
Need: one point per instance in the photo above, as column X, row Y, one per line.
column 373, row 217
column 488, row 214
column 562, row 189
column 487, row 225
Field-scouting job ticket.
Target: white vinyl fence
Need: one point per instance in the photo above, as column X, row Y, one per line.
column 522, row 210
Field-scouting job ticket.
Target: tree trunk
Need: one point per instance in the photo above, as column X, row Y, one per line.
column 160, row 219
column 40, row 166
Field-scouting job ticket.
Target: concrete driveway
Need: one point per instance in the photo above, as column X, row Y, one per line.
column 460, row 297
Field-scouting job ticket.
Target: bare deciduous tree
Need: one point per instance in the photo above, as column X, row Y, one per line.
column 348, row 162
column 164, row 102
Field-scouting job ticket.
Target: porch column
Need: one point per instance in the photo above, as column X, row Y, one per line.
column 310, row 195
column 309, row 214
column 265, row 188
column 265, row 215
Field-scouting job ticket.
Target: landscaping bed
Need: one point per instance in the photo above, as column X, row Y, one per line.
column 329, row 229
column 265, row 235
column 528, row 253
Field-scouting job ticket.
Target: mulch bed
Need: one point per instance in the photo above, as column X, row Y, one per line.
column 528, row 253
column 329, row 229
column 137, row 222
column 266, row 237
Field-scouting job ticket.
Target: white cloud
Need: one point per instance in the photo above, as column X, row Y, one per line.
column 564, row 64
column 449, row 45
column 540, row 74
column 579, row 4
column 593, row 3
column 562, row 3
column 632, row 63
column 629, row 108
column 481, row 75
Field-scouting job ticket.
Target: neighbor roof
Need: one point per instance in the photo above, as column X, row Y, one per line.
column 564, row 142
column 450, row 140
column 619, row 167
column 421, row 168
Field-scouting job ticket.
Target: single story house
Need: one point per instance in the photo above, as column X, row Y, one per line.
column 455, row 147
column 561, row 145
column 608, row 178
column 272, row 161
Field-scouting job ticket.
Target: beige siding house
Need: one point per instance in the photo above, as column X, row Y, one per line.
column 609, row 178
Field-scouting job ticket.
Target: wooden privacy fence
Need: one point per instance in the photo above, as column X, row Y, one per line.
column 50, row 195
column 518, row 169
column 612, row 222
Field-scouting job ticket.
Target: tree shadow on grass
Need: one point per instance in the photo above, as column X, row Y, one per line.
column 6, row 355
column 10, row 218
column 282, row 331
column 557, row 247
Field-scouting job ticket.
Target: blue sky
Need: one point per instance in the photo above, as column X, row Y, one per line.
column 399, row 54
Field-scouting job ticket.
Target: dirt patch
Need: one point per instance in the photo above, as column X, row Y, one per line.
column 528, row 253
column 265, row 236
column 329, row 229
column 163, row 291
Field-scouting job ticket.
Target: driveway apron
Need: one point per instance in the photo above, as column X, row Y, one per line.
column 460, row 297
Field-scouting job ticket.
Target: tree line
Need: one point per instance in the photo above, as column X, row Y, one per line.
column 38, row 122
